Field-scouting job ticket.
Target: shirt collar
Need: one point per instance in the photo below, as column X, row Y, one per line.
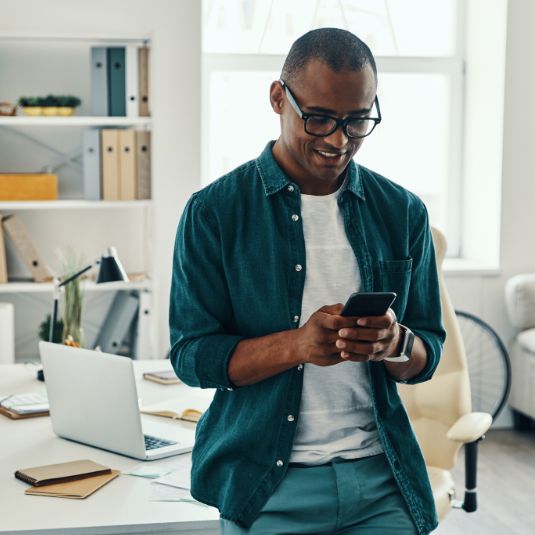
column 274, row 179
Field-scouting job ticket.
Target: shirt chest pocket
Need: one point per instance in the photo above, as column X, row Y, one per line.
column 395, row 276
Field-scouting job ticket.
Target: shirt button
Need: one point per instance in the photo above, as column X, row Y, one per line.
column 298, row 267
column 300, row 367
column 291, row 417
column 279, row 463
column 295, row 217
column 228, row 388
column 290, row 188
column 295, row 319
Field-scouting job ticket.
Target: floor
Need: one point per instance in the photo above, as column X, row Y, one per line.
column 506, row 488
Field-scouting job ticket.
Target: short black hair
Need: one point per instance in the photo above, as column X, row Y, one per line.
column 339, row 49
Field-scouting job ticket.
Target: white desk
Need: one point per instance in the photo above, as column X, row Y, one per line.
column 122, row 506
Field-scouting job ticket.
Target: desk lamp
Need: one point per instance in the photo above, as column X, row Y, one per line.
column 110, row 270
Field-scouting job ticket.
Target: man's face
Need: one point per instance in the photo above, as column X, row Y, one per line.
column 315, row 163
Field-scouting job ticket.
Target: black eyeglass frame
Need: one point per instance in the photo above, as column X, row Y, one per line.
column 338, row 122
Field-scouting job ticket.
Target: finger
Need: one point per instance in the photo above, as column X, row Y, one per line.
column 386, row 321
column 361, row 348
column 332, row 309
column 363, row 333
column 336, row 322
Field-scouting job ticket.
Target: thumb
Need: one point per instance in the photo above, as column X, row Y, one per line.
column 332, row 309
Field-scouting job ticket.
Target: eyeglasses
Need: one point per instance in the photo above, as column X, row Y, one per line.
column 324, row 125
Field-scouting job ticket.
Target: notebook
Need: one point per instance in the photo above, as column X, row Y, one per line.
column 74, row 489
column 60, row 473
column 164, row 377
column 26, row 405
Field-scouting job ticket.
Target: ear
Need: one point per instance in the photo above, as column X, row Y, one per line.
column 276, row 97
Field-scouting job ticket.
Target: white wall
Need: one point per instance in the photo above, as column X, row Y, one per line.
column 174, row 26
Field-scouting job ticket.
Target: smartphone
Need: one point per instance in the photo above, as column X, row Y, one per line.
column 368, row 304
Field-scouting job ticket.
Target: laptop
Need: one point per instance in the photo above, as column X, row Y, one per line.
column 93, row 400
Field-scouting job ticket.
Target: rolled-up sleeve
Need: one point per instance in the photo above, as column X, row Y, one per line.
column 200, row 309
column 423, row 314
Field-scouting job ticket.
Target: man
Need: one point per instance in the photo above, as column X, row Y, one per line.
column 306, row 432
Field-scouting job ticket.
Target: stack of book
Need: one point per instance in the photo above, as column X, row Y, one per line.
column 23, row 406
column 116, row 164
column 120, row 81
column 75, row 479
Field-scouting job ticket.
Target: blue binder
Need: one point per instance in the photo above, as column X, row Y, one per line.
column 99, row 81
column 116, row 82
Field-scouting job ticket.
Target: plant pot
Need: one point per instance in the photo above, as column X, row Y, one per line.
column 32, row 110
column 65, row 111
column 50, row 110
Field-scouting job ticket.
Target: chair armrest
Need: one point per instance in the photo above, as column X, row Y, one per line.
column 470, row 427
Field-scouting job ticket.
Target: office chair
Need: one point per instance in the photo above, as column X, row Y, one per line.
column 441, row 413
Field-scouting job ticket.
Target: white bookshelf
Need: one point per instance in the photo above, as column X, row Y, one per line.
column 75, row 204
column 88, row 286
column 127, row 225
column 74, row 120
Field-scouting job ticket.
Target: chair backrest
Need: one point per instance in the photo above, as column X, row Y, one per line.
column 434, row 406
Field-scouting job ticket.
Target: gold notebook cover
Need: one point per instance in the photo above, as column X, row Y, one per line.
column 59, row 473
column 76, row 490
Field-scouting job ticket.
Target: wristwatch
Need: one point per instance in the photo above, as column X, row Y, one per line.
column 406, row 345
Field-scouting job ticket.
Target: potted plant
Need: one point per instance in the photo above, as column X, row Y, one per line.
column 30, row 105
column 67, row 104
column 51, row 105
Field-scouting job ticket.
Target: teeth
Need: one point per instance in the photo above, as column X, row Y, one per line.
column 329, row 154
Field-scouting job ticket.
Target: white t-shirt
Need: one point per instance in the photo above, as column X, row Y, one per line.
column 336, row 413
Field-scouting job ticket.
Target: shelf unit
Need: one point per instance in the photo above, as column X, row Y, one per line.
column 74, row 120
column 72, row 204
column 89, row 286
column 29, row 296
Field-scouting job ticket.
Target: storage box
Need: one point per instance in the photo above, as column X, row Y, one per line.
column 28, row 187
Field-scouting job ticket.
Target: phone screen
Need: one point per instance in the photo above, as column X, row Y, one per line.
column 368, row 303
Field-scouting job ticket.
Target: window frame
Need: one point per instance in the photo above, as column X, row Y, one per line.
column 453, row 67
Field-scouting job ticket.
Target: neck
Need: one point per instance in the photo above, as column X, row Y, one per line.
column 308, row 185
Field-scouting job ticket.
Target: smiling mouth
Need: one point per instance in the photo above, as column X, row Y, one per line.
column 330, row 156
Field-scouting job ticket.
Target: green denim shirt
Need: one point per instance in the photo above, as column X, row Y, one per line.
column 238, row 272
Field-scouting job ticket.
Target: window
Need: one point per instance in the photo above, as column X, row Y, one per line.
column 418, row 48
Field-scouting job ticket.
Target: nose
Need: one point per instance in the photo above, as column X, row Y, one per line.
column 337, row 139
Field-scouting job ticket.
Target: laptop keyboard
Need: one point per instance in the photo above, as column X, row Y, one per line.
column 152, row 443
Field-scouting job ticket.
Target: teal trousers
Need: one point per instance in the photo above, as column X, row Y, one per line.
column 339, row 498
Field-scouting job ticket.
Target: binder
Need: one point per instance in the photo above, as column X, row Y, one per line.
column 142, row 343
column 3, row 258
column 91, row 164
column 15, row 229
column 127, row 165
column 109, row 146
column 143, row 151
column 143, row 75
column 116, row 82
column 99, row 81
column 132, row 81
column 117, row 322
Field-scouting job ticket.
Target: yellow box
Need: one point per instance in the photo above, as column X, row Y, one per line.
column 28, row 187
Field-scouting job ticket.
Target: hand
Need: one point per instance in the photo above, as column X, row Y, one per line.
column 316, row 339
column 374, row 338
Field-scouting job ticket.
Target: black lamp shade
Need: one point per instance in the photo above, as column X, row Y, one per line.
column 110, row 269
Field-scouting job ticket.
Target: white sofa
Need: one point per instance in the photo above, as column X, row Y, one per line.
column 520, row 301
